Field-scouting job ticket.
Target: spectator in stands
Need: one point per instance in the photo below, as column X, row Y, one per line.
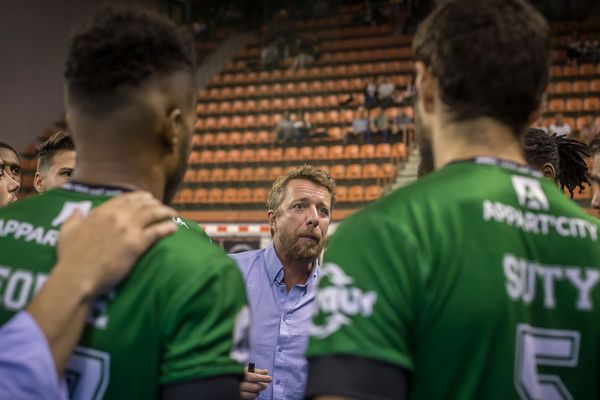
column 574, row 49
column 269, row 57
column 400, row 125
column 560, row 126
column 302, row 127
column 380, row 124
column 371, row 94
column 284, row 131
column 385, row 90
column 360, row 125
column 281, row 283
column 558, row 158
column 589, row 130
column 10, row 160
column 539, row 124
column 595, row 171
column 56, row 162
column 306, row 54
column 9, row 187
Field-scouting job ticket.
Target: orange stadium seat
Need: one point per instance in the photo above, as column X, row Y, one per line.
column 338, row 171
column 341, row 194
column 290, row 153
column 207, row 157
column 197, row 139
column 247, row 155
column 370, row 171
column 383, row 150
column 305, row 153
column 186, row 195
column 276, row 154
column 595, row 86
column 221, row 138
column 194, row 157
column 220, row 156
column 246, row 174
column 235, row 138
column 399, row 151
column 587, row 69
column 190, row 175
column 352, row 151
column 570, row 70
column 275, row 172
column 591, row 104
column 203, row 175
column 217, row 175
column 387, row 170
column 261, row 155
column 563, row 87
column 244, row 195
column 367, row 151
column 356, row 193
column 215, row 195
column 556, row 105
column 372, row 192
column 201, row 195
column 260, row 174
column 354, row 171
column 556, row 71
column 573, row 104
column 259, row 195
column 249, row 137
column 336, row 152
column 581, row 87
column 230, row 195
column 209, row 139
column 232, row 175
column 321, row 153
column 234, row 156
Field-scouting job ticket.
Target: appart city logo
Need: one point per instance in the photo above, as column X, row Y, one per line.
column 339, row 303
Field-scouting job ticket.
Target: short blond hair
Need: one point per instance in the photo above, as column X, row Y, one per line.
column 306, row 172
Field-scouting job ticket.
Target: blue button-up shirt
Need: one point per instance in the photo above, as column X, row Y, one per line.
column 280, row 322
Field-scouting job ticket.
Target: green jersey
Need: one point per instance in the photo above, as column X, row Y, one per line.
column 178, row 316
column 479, row 281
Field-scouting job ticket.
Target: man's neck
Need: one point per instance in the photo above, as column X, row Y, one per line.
column 120, row 175
column 294, row 272
column 481, row 137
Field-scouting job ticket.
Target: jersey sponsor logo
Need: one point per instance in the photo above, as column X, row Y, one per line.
column 240, row 351
column 524, row 276
column 69, row 208
column 529, row 193
column 21, row 230
column 17, row 286
column 340, row 302
column 539, row 223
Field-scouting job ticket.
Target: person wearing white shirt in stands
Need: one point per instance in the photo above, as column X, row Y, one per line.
column 560, row 127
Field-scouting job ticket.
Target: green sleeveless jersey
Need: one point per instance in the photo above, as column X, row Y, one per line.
column 180, row 315
column 480, row 280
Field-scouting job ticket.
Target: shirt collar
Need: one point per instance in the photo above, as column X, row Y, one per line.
column 275, row 267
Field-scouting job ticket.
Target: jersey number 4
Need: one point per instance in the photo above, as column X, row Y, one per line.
column 544, row 347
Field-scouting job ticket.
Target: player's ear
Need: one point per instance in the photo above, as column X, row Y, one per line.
column 549, row 171
column 426, row 88
column 173, row 132
column 272, row 217
column 38, row 182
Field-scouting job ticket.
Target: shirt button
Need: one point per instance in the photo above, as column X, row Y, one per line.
column 277, row 381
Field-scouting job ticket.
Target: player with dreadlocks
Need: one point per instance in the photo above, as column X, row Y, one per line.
column 559, row 158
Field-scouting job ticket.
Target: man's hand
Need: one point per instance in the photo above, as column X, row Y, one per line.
column 254, row 383
column 105, row 245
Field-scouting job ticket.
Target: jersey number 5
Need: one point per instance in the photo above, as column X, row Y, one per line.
column 547, row 347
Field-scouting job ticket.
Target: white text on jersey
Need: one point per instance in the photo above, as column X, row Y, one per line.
column 21, row 230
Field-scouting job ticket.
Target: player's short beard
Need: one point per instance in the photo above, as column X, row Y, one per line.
column 423, row 135
column 175, row 179
column 299, row 252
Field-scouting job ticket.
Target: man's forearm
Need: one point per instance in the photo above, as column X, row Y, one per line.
column 60, row 309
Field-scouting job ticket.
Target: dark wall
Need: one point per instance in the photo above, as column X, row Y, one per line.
column 32, row 49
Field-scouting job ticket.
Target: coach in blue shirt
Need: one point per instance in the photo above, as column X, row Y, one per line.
column 281, row 281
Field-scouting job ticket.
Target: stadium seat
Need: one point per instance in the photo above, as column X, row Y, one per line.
column 305, row 153
column 573, row 105
column 587, row 69
column 356, row 193
column 249, row 137
column 595, row 86
column 234, row 156
column 367, row 151
column 244, row 195
column 260, row 174
column 235, row 138
column 232, row 175
column 276, row 154
column 230, row 195
column 217, row 175
column 194, row 158
column 190, row 175
column 215, row 195
column 336, row 152
column 341, row 193
column 203, row 175
column 383, row 150
column 354, row 171
column 247, row 155
column 321, row 153
column 338, row 171
column 186, row 195
column 563, row 87
column 259, row 195
column 556, row 105
column 207, row 157
column 290, row 153
column 222, row 138
column 399, row 151
column 275, row 172
column 581, row 87
column 201, row 196
column 261, row 155
column 591, row 104
column 246, row 174
column 387, row 170
column 372, row 192
column 221, row 156
column 352, row 151
column 570, row 70
column 263, row 137
column 370, row 171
